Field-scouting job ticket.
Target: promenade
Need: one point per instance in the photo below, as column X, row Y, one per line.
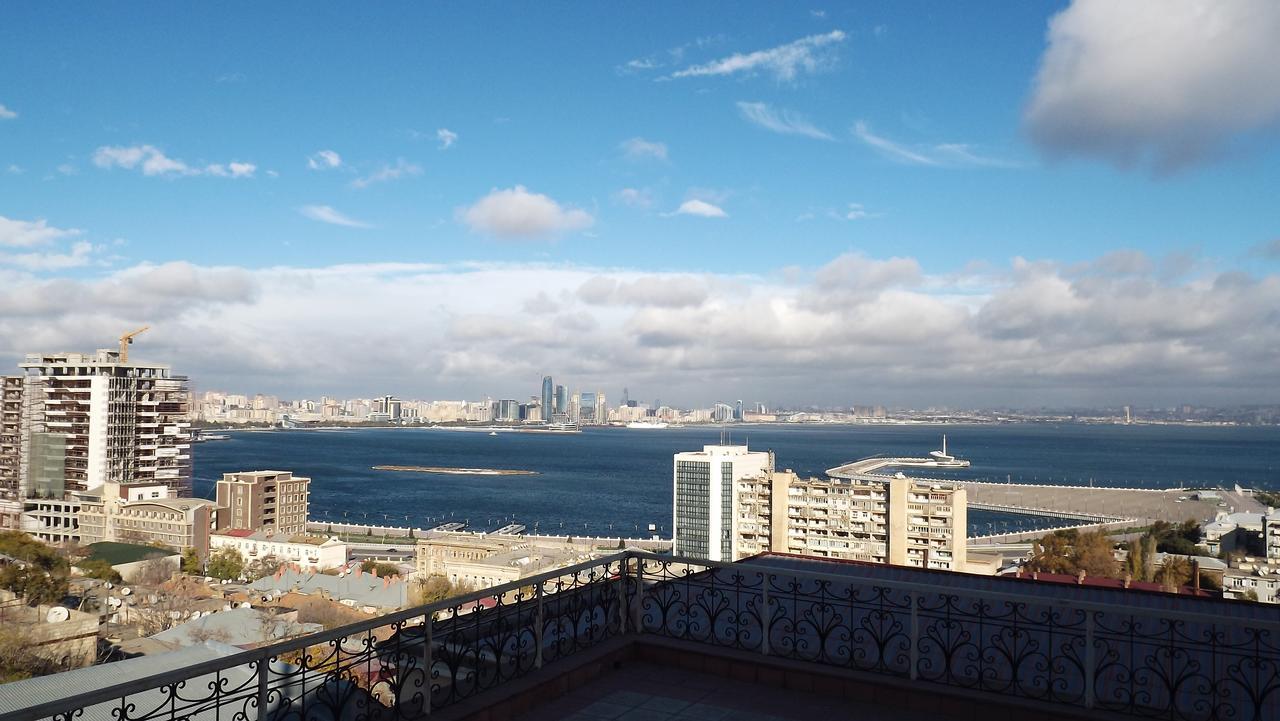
column 1139, row 504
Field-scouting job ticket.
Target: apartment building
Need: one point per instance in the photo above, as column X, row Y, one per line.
column 269, row 501
column 705, row 484
column 138, row 514
column 72, row 422
column 901, row 521
column 11, row 495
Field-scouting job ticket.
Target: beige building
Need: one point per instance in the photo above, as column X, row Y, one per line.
column 484, row 561
column 177, row 523
column 315, row 553
column 269, row 501
column 704, row 484
column 67, row 637
column 901, row 521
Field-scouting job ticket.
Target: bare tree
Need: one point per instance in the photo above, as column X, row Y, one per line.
column 155, row 570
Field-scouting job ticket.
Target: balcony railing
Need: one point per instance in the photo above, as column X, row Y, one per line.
column 1200, row 660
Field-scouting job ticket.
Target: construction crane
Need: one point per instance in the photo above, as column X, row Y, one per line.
column 126, row 340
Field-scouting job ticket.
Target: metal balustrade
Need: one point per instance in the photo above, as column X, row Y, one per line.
column 1079, row 655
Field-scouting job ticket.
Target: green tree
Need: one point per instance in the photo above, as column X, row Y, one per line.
column 1174, row 573
column 380, row 568
column 99, row 568
column 226, row 563
column 191, row 561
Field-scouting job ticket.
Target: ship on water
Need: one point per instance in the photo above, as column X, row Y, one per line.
column 649, row 425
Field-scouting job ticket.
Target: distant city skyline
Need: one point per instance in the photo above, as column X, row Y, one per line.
column 975, row 205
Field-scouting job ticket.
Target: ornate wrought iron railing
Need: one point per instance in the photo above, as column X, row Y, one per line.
column 1143, row 662
column 1137, row 661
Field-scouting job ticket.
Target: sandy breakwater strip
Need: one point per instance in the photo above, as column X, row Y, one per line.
column 458, row 471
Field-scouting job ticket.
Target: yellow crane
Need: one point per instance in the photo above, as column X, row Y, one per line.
column 126, row 340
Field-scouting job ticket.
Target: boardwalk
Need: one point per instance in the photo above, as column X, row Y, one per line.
column 1128, row 503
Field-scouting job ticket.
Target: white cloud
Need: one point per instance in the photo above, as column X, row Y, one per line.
column 1030, row 333
column 30, row 233
column 446, row 137
column 67, row 169
column 635, row 197
column 153, row 162
column 784, row 121
column 952, row 155
column 1164, row 83
column 809, row 55
column 324, row 160
column 516, row 213
column 14, row 169
column 639, row 149
column 6, row 114
column 326, row 214
column 700, row 208
column 386, row 173
column 80, row 254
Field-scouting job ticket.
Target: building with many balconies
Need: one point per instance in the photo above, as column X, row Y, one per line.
column 268, row 501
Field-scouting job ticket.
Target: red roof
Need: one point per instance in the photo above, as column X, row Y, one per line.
column 237, row 532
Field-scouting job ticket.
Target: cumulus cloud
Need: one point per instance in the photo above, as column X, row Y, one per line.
column 1159, row 83
column 640, row 149
column 6, row 114
column 79, row 254
column 30, row 233
column 781, row 121
column 700, row 208
column 387, row 173
column 446, row 137
column 645, row 291
column 327, row 214
column 518, row 213
column 324, row 160
column 806, row 55
column 938, row 155
column 1033, row 332
column 151, row 161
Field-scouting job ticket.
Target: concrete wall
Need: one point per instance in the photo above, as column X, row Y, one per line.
column 131, row 572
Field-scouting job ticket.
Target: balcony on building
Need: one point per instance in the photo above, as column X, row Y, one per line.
column 638, row 635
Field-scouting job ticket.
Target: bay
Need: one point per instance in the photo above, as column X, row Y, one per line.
column 616, row 481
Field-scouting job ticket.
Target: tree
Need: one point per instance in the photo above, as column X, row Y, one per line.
column 262, row 567
column 226, row 563
column 191, row 561
column 1069, row 552
column 430, row 589
column 1174, row 573
column 99, row 568
column 380, row 568
column 19, row 658
column 35, row 584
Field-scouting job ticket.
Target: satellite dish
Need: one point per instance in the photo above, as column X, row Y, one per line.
column 126, row 591
column 109, row 585
column 57, row 614
column 245, row 604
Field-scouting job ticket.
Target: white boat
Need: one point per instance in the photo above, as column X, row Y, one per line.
column 493, row 433
column 648, row 425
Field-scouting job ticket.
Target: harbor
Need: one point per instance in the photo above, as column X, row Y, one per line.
column 457, row 471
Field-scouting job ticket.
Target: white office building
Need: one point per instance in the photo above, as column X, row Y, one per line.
column 704, row 489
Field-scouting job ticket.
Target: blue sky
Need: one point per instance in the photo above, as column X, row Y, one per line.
column 791, row 135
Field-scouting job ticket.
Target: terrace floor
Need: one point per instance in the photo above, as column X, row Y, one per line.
column 643, row 691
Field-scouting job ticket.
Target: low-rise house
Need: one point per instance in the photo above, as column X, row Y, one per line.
column 309, row 552
column 484, row 561
column 350, row 587
column 64, row 636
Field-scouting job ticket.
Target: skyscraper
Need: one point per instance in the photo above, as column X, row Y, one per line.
column 547, row 398
column 587, row 408
column 74, row 421
column 562, row 402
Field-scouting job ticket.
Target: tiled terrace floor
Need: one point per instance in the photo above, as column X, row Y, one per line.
column 642, row 691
